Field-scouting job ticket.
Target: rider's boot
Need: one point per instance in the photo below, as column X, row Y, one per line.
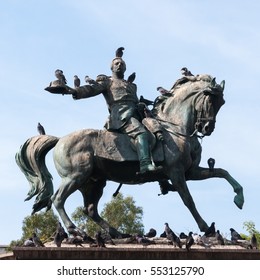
column 144, row 155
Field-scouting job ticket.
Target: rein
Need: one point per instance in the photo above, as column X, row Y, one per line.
column 176, row 133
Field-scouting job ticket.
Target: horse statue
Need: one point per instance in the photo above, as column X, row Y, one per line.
column 88, row 158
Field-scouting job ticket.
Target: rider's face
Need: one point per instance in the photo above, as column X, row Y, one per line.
column 118, row 66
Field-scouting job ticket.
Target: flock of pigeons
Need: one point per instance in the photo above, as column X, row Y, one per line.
column 210, row 237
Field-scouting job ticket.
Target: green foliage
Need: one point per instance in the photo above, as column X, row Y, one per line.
column 121, row 213
column 250, row 228
column 43, row 223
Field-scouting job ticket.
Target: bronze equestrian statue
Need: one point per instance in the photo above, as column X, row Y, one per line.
column 127, row 151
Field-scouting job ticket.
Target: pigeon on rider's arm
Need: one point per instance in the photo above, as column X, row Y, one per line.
column 90, row 81
column 76, row 81
column 60, row 76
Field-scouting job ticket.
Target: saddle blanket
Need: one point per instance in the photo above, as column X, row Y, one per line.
column 118, row 147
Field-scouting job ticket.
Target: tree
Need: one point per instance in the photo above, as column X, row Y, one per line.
column 43, row 223
column 121, row 213
column 250, row 228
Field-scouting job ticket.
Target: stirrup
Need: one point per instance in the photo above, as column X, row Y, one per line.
column 149, row 168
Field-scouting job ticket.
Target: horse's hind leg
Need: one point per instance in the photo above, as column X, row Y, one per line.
column 67, row 187
column 92, row 194
column 201, row 173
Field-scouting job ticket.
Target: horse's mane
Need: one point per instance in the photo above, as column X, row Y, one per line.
column 183, row 89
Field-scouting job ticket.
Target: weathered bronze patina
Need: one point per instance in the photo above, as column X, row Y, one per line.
column 127, row 150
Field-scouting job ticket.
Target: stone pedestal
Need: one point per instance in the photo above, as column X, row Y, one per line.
column 146, row 253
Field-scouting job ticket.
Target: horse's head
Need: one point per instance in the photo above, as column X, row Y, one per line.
column 210, row 99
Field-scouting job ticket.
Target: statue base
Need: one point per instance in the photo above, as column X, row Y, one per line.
column 142, row 253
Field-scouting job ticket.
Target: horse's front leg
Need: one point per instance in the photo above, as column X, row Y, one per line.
column 178, row 180
column 200, row 173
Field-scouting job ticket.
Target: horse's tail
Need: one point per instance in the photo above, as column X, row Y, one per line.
column 31, row 160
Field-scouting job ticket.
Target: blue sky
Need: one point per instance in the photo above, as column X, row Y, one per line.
column 220, row 38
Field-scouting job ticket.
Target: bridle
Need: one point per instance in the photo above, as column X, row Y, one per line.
column 202, row 115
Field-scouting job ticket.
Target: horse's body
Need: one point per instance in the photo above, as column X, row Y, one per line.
column 191, row 110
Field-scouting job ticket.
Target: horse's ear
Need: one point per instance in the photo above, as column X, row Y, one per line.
column 213, row 82
column 222, row 85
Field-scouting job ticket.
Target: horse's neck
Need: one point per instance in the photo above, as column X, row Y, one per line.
column 180, row 113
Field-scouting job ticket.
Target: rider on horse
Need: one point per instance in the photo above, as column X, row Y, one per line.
column 122, row 101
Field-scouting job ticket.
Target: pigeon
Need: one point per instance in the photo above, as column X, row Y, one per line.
column 147, row 102
column 40, row 129
column 119, row 52
column 253, row 242
column 211, row 163
column 189, row 241
column 60, row 76
column 88, row 239
column 143, row 241
column 76, row 81
column 37, row 241
column 131, row 78
column 90, row 81
column 185, row 72
column 211, row 231
column 58, row 238
column 75, row 240
column 183, row 235
column 204, row 241
column 100, row 240
column 235, row 236
column 172, row 236
column 152, row 233
column 163, row 235
column 220, row 238
column 163, row 91
column 29, row 243
column 60, row 235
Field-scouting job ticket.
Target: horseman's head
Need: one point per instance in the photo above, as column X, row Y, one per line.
column 208, row 105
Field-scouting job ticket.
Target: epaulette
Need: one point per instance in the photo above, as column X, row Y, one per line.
column 102, row 78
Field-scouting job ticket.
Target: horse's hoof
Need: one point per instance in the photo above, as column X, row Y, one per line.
column 239, row 201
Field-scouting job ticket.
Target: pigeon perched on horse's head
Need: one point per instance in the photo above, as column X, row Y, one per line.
column 186, row 72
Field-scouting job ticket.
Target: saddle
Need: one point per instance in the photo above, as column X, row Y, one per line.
column 118, row 147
